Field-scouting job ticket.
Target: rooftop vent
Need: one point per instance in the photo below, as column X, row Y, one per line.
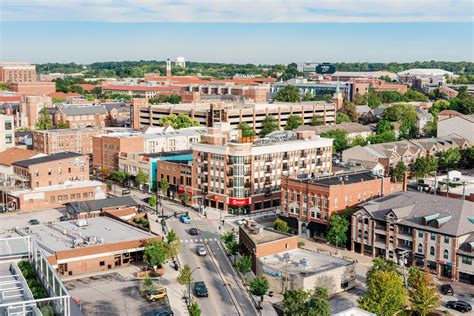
column 304, row 263
column 426, row 219
column 82, row 223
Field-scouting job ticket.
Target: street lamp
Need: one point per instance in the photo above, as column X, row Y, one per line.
column 190, row 278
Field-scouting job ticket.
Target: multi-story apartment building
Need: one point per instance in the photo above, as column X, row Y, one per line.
column 312, row 200
column 17, row 72
column 58, row 140
column 50, row 181
column 79, row 116
column 106, row 149
column 245, row 177
column 209, row 114
column 434, row 233
column 7, row 132
column 168, row 139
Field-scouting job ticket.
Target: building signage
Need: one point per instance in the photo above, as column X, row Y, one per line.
column 276, row 274
column 325, row 68
column 239, row 202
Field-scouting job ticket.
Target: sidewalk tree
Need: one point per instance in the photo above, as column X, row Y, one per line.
column 227, row 237
column 269, row 124
column 399, row 171
column 194, row 309
column 380, row 264
column 318, row 303
column 121, row 176
column 244, row 264
column 155, row 253
column 185, row 198
column 44, row 120
column 232, row 248
column 152, row 201
column 293, row 302
column 259, row 287
column 289, row 93
column 164, row 185
column 185, row 277
column 337, row 232
column 280, row 225
column 147, row 284
column 141, row 178
column 293, row 122
column 423, row 295
column 385, row 293
column 174, row 244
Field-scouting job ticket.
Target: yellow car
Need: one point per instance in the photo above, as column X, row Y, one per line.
column 156, row 294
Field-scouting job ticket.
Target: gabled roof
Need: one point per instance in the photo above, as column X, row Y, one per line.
column 75, row 110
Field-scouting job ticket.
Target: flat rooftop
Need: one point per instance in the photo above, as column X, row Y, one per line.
column 261, row 235
column 59, row 236
column 64, row 186
column 314, row 262
column 346, row 178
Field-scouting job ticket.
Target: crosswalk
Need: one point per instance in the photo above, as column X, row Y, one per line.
column 198, row 240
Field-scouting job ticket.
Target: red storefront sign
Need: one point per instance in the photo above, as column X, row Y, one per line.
column 239, row 202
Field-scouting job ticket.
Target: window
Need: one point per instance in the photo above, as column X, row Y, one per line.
column 420, row 233
column 420, row 248
column 8, row 125
column 433, row 236
column 446, row 239
column 102, row 263
column 446, row 254
column 366, row 235
column 335, row 202
column 432, row 251
column 466, row 260
column 359, row 233
column 8, row 139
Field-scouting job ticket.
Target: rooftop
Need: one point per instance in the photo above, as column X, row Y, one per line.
column 97, row 205
column 343, row 178
column 10, row 155
column 261, row 235
column 303, row 262
column 65, row 186
column 53, row 157
column 349, row 127
column 82, row 233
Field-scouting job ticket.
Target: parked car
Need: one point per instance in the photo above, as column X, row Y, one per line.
column 156, row 294
column 201, row 250
column 446, row 289
column 125, row 192
column 185, row 219
column 3, row 208
column 200, row 289
column 34, row 222
column 194, row 231
column 460, row 306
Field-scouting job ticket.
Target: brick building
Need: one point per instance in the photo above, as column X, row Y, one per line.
column 17, row 72
column 106, row 149
column 54, row 141
column 178, row 173
column 79, row 116
column 244, row 177
column 29, row 109
column 124, row 207
column 312, row 200
column 89, row 245
column 51, row 181
column 432, row 232
column 34, row 88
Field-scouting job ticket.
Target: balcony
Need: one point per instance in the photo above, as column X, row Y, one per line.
column 380, row 229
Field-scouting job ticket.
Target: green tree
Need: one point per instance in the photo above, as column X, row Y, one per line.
column 185, row 197
column 423, row 295
column 147, row 283
column 152, row 201
column 350, row 110
column 358, row 141
column 3, row 86
column 342, row 118
column 178, row 121
column 337, row 232
column 308, row 96
column 438, row 106
column 385, row 294
column 244, row 264
column 318, row 303
column 62, row 125
column 259, row 287
column 341, row 142
column 293, row 122
column 155, row 253
column 141, row 178
column 97, row 91
column 269, row 124
column 293, row 300
column 232, row 248
column 289, row 93
column 317, row 120
column 424, row 166
column 385, row 137
column 280, row 225
column 449, row 159
column 247, row 130
column 408, row 129
column 380, row 264
column 468, row 157
column 120, row 176
column 383, row 126
column 227, row 237
column 399, row 171
column 173, row 244
column 44, row 120
column 185, row 277
column 194, row 309
column 164, row 185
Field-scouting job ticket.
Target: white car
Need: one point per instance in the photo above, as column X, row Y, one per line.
column 201, row 250
column 243, row 221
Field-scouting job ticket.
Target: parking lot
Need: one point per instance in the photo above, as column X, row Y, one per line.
column 111, row 294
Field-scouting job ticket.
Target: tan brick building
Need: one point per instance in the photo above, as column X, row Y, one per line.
column 58, row 140
column 34, row 88
column 178, row 174
column 17, row 72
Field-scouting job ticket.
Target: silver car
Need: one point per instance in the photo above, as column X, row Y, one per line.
column 201, row 250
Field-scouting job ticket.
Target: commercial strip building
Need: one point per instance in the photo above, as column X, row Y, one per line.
column 178, row 173
column 276, row 256
column 89, row 245
column 431, row 232
column 51, row 181
column 313, row 200
column 209, row 114
column 7, row 132
column 407, row 151
column 16, row 296
column 244, row 177
column 12, row 72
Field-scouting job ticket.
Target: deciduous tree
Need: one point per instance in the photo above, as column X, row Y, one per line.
column 289, row 93
column 449, row 159
column 269, row 124
column 155, row 253
column 280, row 225
column 293, row 122
column 423, row 295
column 244, row 264
column 259, row 287
column 337, row 232
column 341, row 141
column 399, row 171
column 44, row 120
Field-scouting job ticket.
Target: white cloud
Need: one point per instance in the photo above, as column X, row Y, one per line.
column 255, row 11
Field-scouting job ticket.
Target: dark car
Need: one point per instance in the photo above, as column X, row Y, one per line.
column 460, row 306
column 193, row 231
column 201, row 289
column 34, row 222
column 446, row 289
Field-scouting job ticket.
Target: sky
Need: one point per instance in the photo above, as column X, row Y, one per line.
column 257, row 31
